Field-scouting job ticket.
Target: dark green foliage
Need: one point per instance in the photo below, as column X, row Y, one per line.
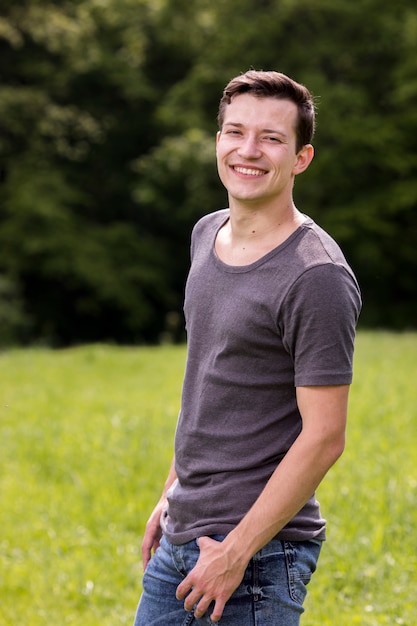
column 107, row 127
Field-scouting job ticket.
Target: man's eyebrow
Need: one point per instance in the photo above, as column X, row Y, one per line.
column 274, row 131
column 269, row 131
column 235, row 124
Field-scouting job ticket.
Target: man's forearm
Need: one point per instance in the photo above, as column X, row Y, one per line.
column 289, row 488
column 171, row 478
column 153, row 531
column 296, row 478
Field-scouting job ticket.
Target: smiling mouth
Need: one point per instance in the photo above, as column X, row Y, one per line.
column 247, row 171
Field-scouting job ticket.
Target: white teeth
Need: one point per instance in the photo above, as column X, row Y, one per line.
column 249, row 172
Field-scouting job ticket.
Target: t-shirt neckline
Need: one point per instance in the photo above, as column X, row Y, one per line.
column 240, row 269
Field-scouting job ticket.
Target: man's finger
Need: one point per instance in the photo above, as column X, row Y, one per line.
column 183, row 588
column 217, row 611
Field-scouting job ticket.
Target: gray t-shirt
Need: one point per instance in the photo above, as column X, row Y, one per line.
column 255, row 332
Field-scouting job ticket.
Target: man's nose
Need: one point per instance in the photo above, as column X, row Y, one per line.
column 249, row 147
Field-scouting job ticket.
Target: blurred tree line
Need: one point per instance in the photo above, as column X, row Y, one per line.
column 107, row 127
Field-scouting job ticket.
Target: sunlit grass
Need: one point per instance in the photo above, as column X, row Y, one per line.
column 85, row 438
column 368, row 568
column 85, row 443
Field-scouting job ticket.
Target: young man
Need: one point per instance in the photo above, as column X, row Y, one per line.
column 271, row 308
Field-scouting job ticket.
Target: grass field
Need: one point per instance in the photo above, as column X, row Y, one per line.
column 85, row 443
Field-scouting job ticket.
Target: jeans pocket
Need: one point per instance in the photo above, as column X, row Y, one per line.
column 301, row 560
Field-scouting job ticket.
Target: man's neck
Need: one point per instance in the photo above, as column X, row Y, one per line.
column 251, row 222
column 250, row 234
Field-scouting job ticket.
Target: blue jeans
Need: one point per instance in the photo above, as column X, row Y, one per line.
column 271, row 593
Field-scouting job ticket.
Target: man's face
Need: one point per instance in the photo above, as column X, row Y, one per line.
column 256, row 149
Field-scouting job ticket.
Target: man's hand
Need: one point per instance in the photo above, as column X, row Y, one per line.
column 213, row 579
column 153, row 534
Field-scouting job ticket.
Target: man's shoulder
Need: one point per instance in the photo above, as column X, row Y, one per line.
column 319, row 246
column 216, row 218
column 209, row 224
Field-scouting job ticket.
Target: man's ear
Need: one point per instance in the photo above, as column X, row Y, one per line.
column 304, row 158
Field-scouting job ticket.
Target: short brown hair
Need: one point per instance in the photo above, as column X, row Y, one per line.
column 271, row 84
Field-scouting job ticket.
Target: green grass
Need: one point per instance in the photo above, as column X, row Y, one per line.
column 368, row 568
column 85, row 443
column 85, row 438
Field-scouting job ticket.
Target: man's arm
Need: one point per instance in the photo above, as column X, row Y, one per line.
column 221, row 566
column 153, row 531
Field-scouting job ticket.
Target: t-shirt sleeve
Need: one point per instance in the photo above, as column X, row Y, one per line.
column 318, row 323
